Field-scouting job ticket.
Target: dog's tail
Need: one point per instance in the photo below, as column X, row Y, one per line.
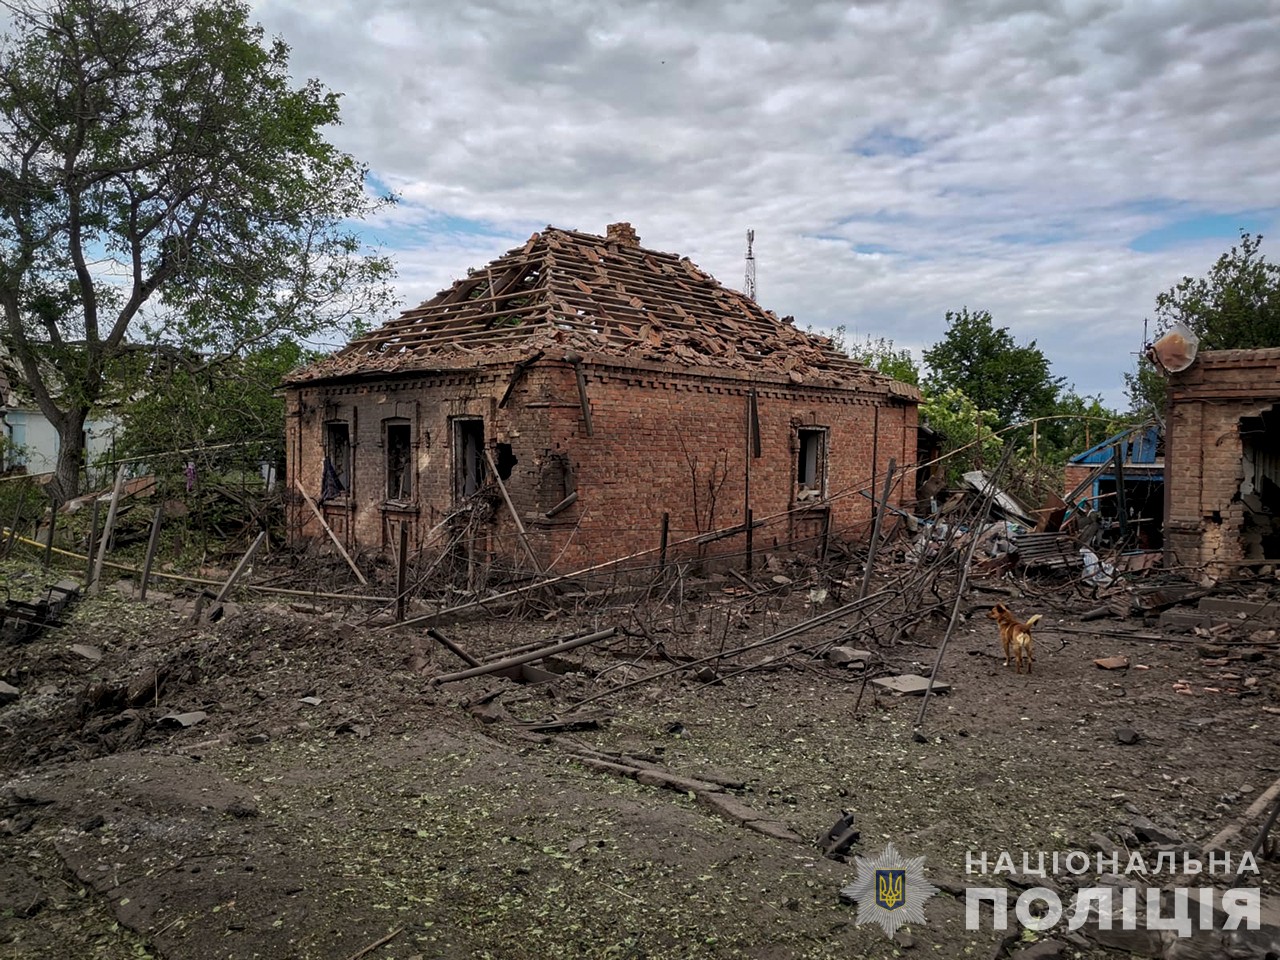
column 1034, row 620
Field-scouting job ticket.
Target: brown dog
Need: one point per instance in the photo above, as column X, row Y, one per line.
column 1015, row 636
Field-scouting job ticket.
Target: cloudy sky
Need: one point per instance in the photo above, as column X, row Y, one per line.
column 1058, row 163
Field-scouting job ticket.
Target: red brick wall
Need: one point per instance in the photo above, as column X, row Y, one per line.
column 1203, row 451
column 658, row 434
column 1074, row 475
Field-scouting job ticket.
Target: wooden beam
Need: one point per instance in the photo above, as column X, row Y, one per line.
column 582, row 397
column 152, row 542
column 240, row 567
column 452, row 647
column 93, row 542
column 95, row 585
column 332, row 536
column 506, row 497
column 524, row 658
column 53, row 525
column 402, row 570
column 875, row 529
column 516, row 374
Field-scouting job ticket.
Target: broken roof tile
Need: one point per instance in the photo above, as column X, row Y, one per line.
column 537, row 294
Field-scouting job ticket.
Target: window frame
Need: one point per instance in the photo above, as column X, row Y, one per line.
column 406, row 470
column 812, row 444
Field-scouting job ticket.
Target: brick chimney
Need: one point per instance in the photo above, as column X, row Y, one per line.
column 622, row 234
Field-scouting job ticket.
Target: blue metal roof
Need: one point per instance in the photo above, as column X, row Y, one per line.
column 1140, row 445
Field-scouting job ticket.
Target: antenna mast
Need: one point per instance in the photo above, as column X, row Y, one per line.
column 749, row 287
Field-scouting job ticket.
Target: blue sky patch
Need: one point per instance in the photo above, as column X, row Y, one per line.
column 1209, row 226
column 881, row 142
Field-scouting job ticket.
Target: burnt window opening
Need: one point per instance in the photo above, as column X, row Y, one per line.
column 397, row 445
column 507, row 461
column 337, row 460
column 468, row 446
column 811, row 464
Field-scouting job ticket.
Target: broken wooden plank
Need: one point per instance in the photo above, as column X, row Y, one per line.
column 240, row 567
column 517, row 372
column 875, row 529
column 332, row 536
column 153, row 541
column 95, row 585
column 511, row 509
column 527, row 657
column 452, row 647
column 582, row 396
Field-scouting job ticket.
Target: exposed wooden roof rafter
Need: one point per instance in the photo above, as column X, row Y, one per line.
column 616, row 297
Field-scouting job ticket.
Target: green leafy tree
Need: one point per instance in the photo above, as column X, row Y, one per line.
column 969, row 434
column 228, row 411
column 1146, row 388
column 162, row 179
column 1078, row 423
column 1235, row 307
column 879, row 353
column 984, row 363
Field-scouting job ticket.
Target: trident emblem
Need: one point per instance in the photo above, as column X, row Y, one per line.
column 891, row 888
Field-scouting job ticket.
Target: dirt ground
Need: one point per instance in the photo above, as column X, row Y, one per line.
column 333, row 803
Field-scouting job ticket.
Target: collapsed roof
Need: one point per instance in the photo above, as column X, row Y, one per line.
column 599, row 297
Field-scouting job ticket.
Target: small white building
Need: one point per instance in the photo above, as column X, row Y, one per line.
column 31, row 441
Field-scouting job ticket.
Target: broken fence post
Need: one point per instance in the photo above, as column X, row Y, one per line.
column 53, row 525
column 875, row 529
column 17, row 516
column 153, row 541
column 93, row 542
column 95, row 582
column 402, row 570
column 524, row 658
column 240, row 567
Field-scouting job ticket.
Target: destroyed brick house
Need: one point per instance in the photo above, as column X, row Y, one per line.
column 1223, row 461
column 618, row 393
column 1116, row 489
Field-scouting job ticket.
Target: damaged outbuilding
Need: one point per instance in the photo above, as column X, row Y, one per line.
column 583, row 398
column 1223, row 461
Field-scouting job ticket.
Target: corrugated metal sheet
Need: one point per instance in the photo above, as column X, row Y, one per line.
column 1047, row 550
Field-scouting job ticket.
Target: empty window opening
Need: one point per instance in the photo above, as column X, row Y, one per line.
column 1260, row 486
column 811, row 467
column 506, row 461
column 398, row 447
column 337, row 457
column 469, row 456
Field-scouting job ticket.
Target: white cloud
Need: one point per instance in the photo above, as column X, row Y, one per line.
column 896, row 159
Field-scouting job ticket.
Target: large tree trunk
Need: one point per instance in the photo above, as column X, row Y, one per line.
column 66, row 475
